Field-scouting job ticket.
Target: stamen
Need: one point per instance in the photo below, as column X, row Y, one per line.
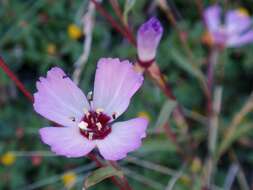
column 86, row 112
column 114, row 115
column 90, row 136
column 72, row 119
column 90, row 96
column 99, row 110
column 99, row 126
column 83, row 125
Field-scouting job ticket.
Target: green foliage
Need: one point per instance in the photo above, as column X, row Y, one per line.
column 34, row 37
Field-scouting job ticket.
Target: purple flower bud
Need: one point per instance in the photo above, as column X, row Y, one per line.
column 148, row 38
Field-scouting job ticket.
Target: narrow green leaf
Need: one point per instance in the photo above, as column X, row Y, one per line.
column 230, row 139
column 127, row 8
column 101, row 174
column 165, row 113
column 181, row 61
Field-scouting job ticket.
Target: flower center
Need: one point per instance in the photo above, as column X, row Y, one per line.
column 95, row 125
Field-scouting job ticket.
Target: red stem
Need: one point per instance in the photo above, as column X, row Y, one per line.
column 15, row 79
column 116, row 8
column 114, row 24
column 124, row 180
column 94, row 158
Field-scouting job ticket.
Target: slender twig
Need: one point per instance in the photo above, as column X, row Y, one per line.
column 213, row 57
column 174, row 179
column 99, row 163
column 168, row 12
column 110, row 19
column 237, row 119
column 15, row 79
column 151, row 165
column 230, row 178
column 88, row 24
column 56, row 178
column 212, row 137
column 124, row 180
column 117, row 10
column 145, row 181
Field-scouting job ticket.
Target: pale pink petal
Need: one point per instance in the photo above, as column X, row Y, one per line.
column 59, row 99
column 237, row 41
column 125, row 137
column 115, row 84
column 237, row 22
column 66, row 141
column 212, row 17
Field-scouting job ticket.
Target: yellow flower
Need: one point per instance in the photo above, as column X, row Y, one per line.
column 8, row 159
column 185, row 180
column 69, row 179
column 51, row 49
column 196, row 165
column 243, row 12
column 144, row 114
column 74, row 32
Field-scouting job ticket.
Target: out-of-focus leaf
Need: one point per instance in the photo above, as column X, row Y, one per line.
column 157, row 144
column 181, row 61
column 165, row 113
column 101, row 174
column 128, row 6
column 233, row 137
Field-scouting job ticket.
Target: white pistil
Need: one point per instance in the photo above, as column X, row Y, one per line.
column 99, row 110
column 90, row 136
column 83, row 125
column 99, row 126
column 89, row 96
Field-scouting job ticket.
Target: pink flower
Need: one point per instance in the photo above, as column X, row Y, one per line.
column 234, row 32
column 89, row 123
column 148, row 39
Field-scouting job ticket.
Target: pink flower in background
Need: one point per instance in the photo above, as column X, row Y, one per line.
column 88, row 122
column 148, row 38
column 235, row 31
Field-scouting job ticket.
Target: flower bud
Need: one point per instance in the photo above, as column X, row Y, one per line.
column 148, row 38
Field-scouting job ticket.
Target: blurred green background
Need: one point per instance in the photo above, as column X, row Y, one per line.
column 37, row 35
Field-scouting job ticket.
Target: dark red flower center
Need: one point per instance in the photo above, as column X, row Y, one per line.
column 95, row 125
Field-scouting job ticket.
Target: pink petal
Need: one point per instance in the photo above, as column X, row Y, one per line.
column 237, row 41
column 66, row 141
column 125, row 137
column 237, row 22
column 115, row 84
column 59, row 99
column 212, row 18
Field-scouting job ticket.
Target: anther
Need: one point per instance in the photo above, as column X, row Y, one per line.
column 99, row 110
column 99, row 126
column 73, row 119
column 86, row 112
column 89, row 96
column 90, row 136
column 83, row 125
column 114, row 115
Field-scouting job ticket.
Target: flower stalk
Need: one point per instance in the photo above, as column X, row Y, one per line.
column 15, row 79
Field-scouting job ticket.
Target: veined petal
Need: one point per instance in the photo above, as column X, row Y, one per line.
column 237, row 22
column 237, row 41
column 59, row 99
column 212, row 17
column 66, row 141
column 115, row 83
column 125, row 137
